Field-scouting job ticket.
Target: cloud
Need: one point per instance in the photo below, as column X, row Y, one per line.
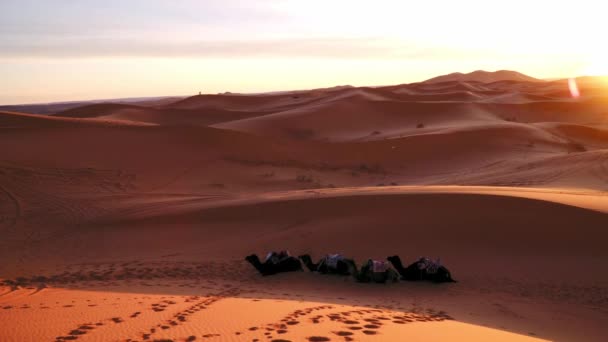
column 334, row 48
column 275, row 29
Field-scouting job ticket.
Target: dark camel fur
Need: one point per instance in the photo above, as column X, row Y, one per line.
column 414, row 273
column 343, row 267
column 288, row 264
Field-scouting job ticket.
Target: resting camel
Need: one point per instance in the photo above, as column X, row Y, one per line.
column 330, row 264
column 422, row 269
column 376, row 271
column 275, row 263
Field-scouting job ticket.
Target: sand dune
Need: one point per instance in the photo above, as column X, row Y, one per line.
column 354, row 119
column 366, row 114
column 12, row 120
column 130, row 221
column 475, row 232
column 242, row 162
column 56, row 107
column 484, row 76
column 369, row 112
column 160, row 116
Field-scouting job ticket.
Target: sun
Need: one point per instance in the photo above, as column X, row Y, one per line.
column 597, row 65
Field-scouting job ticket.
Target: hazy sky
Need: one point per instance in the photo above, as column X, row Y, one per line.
column 79, row 49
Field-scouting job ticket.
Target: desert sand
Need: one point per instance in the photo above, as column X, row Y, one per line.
column 130, row 222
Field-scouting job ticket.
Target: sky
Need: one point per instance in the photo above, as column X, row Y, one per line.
column 64, row 50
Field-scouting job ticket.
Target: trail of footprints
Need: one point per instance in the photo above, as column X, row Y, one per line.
column 146, row 273
column 198, row 303
column 358, row 322
column 362, row 321
column 181, row 317
column 83, row 329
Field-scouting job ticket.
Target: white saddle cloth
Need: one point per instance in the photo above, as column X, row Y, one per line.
column 332, row 260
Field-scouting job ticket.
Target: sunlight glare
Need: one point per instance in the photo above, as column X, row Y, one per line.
column 573, row 88
column 598, row 65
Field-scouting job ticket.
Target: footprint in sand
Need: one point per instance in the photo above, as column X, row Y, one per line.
column 211, row 335
column 373, row 321
column 77, row 332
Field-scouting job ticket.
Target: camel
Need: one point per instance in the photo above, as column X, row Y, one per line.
column 422, row 269
column 330, row 264
column 376, row 271
column 275, row 263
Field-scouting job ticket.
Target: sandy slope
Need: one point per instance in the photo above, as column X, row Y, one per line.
column 103, row 312
column 162, row 116
column 129, row 222
column 170, row 246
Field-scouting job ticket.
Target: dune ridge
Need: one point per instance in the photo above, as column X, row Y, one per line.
column 484, row 77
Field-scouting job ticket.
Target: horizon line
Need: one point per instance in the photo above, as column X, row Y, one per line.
column 144, row 97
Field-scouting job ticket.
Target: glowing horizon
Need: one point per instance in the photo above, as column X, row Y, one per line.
column 68, row 50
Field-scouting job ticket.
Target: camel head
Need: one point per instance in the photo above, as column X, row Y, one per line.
column 252, row 259
column 444, row 276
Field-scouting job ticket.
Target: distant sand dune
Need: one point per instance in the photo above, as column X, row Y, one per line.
column 484, row 76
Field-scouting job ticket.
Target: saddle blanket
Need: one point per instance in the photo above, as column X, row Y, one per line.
column 332, row 260
column 379, row 266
